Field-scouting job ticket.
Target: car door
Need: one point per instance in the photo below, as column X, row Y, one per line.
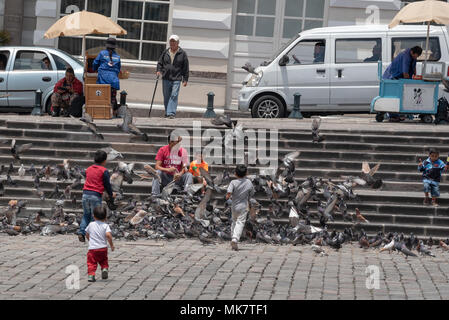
column 307, row 71
column 354, row 70
column 30, row 73
column 5, row 56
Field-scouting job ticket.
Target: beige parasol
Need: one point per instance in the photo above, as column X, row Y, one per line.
column 83, row 23
column 423, row 11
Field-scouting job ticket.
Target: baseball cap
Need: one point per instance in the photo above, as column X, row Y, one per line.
column 173, row 137
column 174, row 37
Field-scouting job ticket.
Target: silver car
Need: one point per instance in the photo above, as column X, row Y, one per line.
column 23, row 70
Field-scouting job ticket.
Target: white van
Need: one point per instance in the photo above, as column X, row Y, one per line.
column 335, row 69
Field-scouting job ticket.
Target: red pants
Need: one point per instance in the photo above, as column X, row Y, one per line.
column 94, row 257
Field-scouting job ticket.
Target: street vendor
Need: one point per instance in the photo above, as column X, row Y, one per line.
column 402, row 67
column 108, row 65
column 66, row 92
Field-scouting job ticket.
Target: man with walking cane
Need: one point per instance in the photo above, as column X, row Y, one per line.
column 173, row 65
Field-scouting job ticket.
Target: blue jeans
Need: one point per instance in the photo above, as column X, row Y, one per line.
column 183, row 182
column 170, row 90
column 433, row 187
column 90, row 202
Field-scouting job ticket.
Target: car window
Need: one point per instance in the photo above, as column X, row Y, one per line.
column 400, row 44
column 61, row 64
column 32, row 61
column 358, row 50
column 308, row 52
column 4, row 57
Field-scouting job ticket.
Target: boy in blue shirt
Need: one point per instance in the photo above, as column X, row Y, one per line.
column 431, row 168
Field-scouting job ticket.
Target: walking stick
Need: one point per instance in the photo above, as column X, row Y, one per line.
column 154, row 93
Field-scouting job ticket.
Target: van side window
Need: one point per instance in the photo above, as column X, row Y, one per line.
column 358, row 50
column 308, row 52
column 400, row 44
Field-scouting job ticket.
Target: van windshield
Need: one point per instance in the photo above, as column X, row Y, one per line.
column 267, row 62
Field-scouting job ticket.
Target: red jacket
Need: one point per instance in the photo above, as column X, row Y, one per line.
column 94, row 179
column 76, row 85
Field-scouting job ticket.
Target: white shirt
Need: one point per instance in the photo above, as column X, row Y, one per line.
column 97, row 234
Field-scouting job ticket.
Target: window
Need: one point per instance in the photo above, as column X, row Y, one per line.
column 61, row 64
column 302, row 15
column 4, row 56
column 30, row 60
column 400, row 44
column 255, row 18
column 358, row 50
column 146, row 22
column 308, row 52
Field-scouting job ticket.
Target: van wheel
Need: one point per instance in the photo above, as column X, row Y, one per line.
column 268, row 107
column 426, row 118
column 380, row 117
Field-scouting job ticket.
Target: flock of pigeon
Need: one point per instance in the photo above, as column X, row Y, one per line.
column 197, row 213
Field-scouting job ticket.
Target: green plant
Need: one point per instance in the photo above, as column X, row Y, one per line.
column 4, row 37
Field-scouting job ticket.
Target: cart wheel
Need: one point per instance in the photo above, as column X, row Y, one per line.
column 426, row 118
column 380, row 117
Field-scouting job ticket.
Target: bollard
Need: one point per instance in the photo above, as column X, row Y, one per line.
column 210, row 113
column 296, row 113
column 123, row 95
column 37, row 110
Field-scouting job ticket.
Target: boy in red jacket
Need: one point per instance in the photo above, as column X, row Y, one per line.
column 97, row 181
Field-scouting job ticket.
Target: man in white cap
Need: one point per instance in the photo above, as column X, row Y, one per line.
column 173, row 65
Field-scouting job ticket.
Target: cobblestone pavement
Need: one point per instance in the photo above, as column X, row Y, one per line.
column 34, row 267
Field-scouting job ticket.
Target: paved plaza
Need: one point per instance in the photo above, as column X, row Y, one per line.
column 34, row 267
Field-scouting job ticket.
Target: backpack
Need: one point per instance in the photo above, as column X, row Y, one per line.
column 442, row 113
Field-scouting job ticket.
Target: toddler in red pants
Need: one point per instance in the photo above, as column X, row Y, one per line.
column 98, row 234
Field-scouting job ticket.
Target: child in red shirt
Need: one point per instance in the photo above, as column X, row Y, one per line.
column 97, row 181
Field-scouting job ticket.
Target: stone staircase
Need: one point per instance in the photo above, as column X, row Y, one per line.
column 396, row 207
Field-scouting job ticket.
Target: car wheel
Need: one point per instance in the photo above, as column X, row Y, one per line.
column 268, row 107
column 380, row 117
column 426, row 118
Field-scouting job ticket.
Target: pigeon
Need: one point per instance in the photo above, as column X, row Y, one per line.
column 90, row 125
column 444, row 246
column 223, row 120
column 316, row 137
column 21, row 171
column 249, row 68
column 359, row 216
column 424, row 250
column 112, row 154
column 389, row 246
column 205, row 240
column 406, row 251
column 152, row 172
column 17, row 150
column 368, row 173
column 127, row 125
column 318, row 249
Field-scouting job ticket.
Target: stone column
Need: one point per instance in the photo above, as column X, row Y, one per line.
column 13, row 20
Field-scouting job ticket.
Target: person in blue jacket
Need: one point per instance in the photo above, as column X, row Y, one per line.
column 108, row 65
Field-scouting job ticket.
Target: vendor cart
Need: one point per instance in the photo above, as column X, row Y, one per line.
column 409, row 96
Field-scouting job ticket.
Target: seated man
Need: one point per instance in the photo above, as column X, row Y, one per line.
column 319, row 51
column 66, row 91
column 171, row 164
column 377, row 54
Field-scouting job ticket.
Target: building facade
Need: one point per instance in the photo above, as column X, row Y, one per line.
column 219, row 36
